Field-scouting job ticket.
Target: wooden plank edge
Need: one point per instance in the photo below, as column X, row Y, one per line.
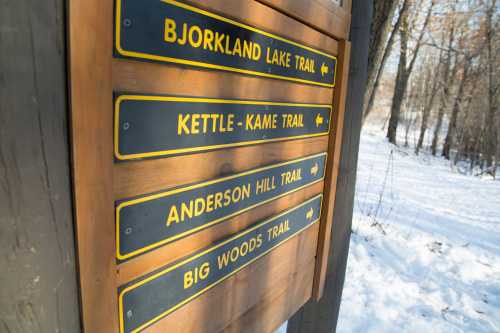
column 332, row 171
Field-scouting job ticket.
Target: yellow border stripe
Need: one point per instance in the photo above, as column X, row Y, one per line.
column 239, row 235
column 121, row 256
column 122, row 98
column 213, row 66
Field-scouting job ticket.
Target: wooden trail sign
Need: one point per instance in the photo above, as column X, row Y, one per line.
column 204, row 131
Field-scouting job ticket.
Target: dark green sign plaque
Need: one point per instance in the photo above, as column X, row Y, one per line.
column 175, row 32
column 148, row 222
column 147, row 300
column 148, row 126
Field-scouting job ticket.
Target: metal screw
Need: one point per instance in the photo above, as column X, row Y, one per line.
column 126, row 126
column 129, row 314
column 127, row 22
column 128, row 231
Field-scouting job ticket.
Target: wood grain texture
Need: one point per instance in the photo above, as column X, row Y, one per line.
column 270, row 20
column 267, row 278
column 321, row 317
column 38, row 283
column 282, row 303
column 332, row 172
column 141, row 177
column 274, row 286
column 323, row 15
column 164, row 255
column 91, row 38
column 153, row 78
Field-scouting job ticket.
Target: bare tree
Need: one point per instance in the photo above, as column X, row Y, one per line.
column 452, row 125
column 493, row 87
column 429, row 96
column 445, row 84
column 404, row 70
column 376, row 68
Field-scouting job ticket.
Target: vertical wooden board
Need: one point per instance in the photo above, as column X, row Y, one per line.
column 332, row 171
column 276, row 308
column 38, row 282
column 90, row 38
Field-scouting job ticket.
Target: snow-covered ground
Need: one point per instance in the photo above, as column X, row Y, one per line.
column 425, row 248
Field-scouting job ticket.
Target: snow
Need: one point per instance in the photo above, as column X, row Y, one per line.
column 425, row 247
column 282, row 328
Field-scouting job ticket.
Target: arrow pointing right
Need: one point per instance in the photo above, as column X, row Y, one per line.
column 309, row 214
column 315, row 169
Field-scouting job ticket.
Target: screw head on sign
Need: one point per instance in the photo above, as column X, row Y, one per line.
column 126, row 126
column 127, row 22
column 129, row 314
column 128, row 231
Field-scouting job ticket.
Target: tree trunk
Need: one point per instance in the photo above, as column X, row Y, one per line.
column 403, row 71
column 452, row 125
column 383, row 12
column 374, row 83
column 428, row 103
column 491, row 134
column 401, row 81
column 446, row 92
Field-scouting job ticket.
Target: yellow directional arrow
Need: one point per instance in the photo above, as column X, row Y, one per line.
column 315, row 169
column 309, row 214
column 324, row 69
column 319, row 120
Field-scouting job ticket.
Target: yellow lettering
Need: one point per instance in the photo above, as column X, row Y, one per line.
column 195, row 123
column 195, row 29
column 248, row 122
column 247, row 49
column 256, row 52
column 173, row 216
column 237, row 47
column 199, row 206
column 181, row 124
column 208, row 38
column 186, row 210
column 223, row 260
column 170, row 35
column 218, row 42
column 228, row 51
column 183, row 40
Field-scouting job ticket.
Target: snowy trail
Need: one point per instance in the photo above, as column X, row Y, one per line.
column 425, row 248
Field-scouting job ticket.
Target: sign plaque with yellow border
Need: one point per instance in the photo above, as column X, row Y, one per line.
column 148, row 299
column 153, row 126
column 174, row 32
column 147, row 222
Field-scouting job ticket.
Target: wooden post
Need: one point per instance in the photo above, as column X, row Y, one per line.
column 321, row 317
column 38, row 291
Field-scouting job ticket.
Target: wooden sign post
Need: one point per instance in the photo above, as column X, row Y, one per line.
column 206, row 143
